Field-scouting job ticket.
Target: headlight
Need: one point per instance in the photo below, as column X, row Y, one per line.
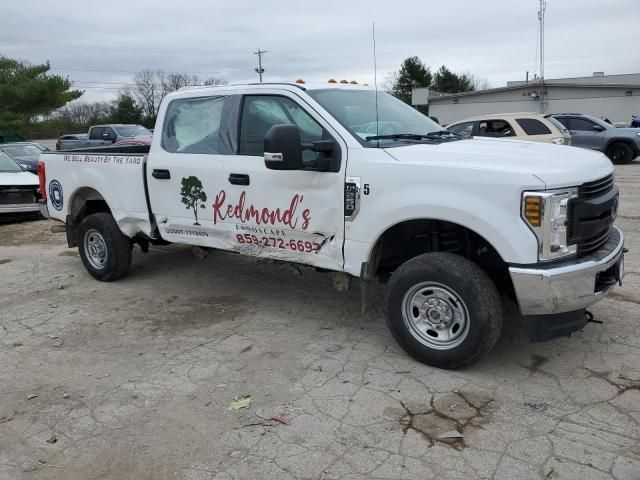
column 547, row 213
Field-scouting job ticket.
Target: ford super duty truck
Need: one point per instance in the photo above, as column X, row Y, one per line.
column 355, row 182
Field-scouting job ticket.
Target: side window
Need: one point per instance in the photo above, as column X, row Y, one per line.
column 564, row 121
column 495, row 128
column 110, row 131
column 205, row 125
column 260, row 113
column 582, row 125
column 96, row 133
column 465, row 129
column 531, row 126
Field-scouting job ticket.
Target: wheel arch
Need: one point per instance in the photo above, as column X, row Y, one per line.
column 409, row 238
column 626, row 141
column 85, row 201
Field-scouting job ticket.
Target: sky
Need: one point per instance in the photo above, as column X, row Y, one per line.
column 99, row 48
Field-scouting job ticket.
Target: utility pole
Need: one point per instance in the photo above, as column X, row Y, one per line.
column 541, row 12
column 260, row 70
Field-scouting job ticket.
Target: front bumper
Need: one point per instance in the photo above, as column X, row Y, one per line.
column 44, row 209
column 19, row 208
column 570, row 286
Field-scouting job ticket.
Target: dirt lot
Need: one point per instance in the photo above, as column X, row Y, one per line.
column 134, row 379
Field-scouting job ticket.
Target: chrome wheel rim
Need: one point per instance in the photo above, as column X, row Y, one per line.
column 95, row 248
column 435, row 315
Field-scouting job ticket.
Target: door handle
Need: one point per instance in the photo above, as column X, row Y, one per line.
column 161, row 174
column 239, row 179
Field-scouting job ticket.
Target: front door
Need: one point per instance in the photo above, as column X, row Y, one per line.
column 584, row 135
column 290, row 215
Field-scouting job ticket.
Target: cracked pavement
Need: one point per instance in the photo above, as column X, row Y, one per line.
column 133, row 379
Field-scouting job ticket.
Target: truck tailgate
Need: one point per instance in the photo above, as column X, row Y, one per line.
column 118, row 179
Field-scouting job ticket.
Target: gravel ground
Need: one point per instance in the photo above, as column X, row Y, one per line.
column 135, row 379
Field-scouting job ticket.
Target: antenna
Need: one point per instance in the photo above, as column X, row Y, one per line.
column 541, row 12
column 375, row 79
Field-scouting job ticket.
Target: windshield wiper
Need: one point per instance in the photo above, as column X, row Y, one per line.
column 396, row 136
column 442, row 133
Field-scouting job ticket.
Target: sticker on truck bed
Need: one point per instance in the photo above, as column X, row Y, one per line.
column 104, row 159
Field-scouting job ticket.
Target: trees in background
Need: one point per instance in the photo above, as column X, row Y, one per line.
column 151, row 86
column 414, row 73
column 28, row 91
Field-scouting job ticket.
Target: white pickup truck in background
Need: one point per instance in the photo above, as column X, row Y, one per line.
column 349, row 180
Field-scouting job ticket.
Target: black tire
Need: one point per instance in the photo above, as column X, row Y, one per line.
column 116, row 245
column 479, row 296
column 620, row 152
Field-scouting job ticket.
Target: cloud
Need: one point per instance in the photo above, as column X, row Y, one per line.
column 98, row 46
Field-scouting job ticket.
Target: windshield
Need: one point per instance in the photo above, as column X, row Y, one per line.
column 132, row 131
column 21, row 150
column 356, row 111
column 8, row 165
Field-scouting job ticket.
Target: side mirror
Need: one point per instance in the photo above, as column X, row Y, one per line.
column 283, row 148
column 598, row 128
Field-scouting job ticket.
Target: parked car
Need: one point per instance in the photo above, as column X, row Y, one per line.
column 533, row 127
column 130, row 142
column 301, row 174
column 25, row 153
column 109, row 134
column 19, row 190
column 635, row 121
column 621, row 145
column 70, row 141
column 9, row 137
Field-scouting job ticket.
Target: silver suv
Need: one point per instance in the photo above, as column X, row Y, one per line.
column 621, row 145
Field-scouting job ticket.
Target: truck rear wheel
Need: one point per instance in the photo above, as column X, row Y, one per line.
column 104, row 250
column 443, row 310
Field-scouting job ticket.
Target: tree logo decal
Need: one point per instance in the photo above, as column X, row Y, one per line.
column 193, row 195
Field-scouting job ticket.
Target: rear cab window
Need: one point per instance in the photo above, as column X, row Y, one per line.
column 96, row 133
column 532, row 126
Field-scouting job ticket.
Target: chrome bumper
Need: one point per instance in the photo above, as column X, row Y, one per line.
column 570, row 286
column 19, row 208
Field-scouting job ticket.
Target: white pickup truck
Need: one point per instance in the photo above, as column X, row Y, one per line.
column 355, row 182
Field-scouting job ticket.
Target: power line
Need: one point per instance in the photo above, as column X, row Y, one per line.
column 77, row 69
column 131, row 49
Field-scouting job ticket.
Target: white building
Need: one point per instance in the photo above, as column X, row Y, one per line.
column 616, row 97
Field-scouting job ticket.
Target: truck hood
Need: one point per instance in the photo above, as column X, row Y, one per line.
column 555, row 165
column 11, row 179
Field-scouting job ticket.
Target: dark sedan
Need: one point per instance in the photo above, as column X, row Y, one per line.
column 25, row 153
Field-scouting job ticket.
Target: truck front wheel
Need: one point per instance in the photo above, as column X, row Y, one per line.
column 443, row 310
column 104, row 250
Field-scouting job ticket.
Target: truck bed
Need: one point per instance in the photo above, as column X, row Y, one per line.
column 118, row 178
